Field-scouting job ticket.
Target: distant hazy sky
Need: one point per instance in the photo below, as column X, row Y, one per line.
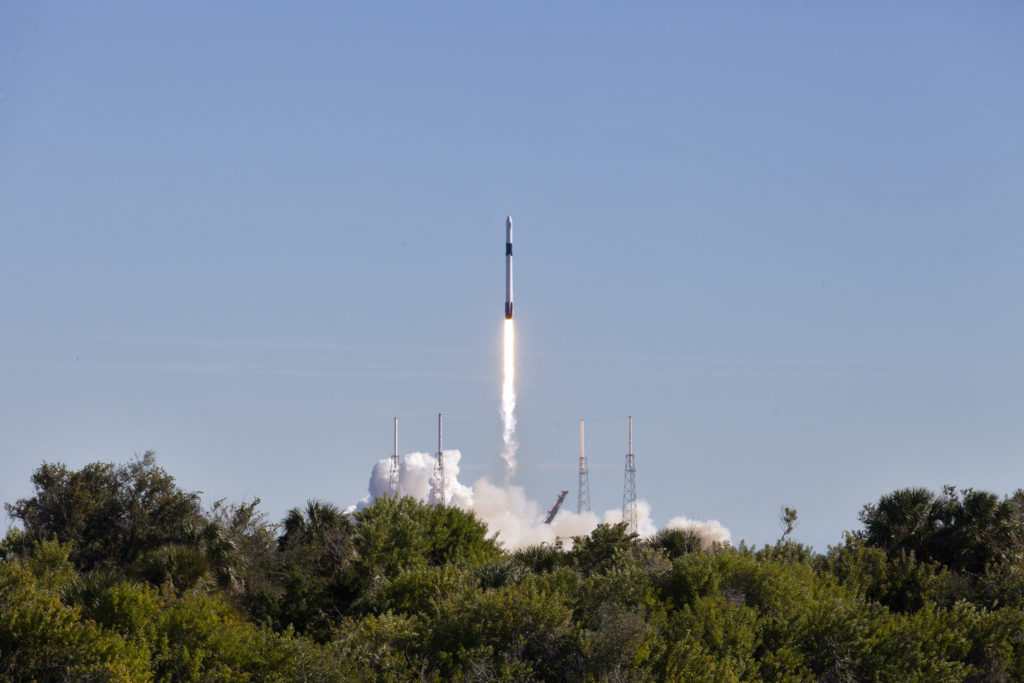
column 788, row 238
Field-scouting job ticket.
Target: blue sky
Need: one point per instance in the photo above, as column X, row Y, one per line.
column 786, row 239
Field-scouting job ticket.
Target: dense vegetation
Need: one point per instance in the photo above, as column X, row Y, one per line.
column 116, row 574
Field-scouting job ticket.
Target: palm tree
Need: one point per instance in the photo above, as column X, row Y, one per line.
column 199, row 549
column 180, row 565
column 903, row 521
column 322, row 531
column 964, row 530
column 675, row 542
column 979, row 529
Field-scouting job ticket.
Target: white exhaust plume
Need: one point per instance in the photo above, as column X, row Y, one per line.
column 709, row 532
column 518, row 521
column 508, row 401
column 415, row 479
column 644, row 524
column 508, row 512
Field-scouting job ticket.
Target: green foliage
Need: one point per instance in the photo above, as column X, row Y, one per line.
column 675, row 542
column 394, row 535
column 380, row 648
column 247, row 546
column 418, row 591
column 902, row 583
column 996, row 641
column 109, row 514
column 13, row 544
column 721, row 633
column 179, row 566
column 197, row 637
column 932, row 589
column 129, row 609
column 307, row 584
column 788, row 520
column 618, row 642
column 321, row 526
column 1002, row 585
column 499, row 573
column 541, row 558
column 963, row 530
column 924, row 646
column 43, row 639
column 597, row 551
column 520, row 632
column 48, row 561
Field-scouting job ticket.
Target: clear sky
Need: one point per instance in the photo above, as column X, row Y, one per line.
column 786, row 237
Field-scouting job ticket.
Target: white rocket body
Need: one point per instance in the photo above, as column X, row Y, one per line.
column 508, row 268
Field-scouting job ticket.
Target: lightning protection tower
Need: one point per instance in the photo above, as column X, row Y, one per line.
column 583, row 489
column 393, row 475
column 629, row 488
column 439, row 467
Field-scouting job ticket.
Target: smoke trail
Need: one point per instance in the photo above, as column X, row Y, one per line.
column 508, row 401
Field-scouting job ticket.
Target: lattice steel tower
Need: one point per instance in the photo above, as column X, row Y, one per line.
column 629, row 489
column 393, row 475
column 583, row 490
column 439, row 468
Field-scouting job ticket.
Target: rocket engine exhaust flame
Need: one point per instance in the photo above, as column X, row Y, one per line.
column 508, row 384
column 508, row 401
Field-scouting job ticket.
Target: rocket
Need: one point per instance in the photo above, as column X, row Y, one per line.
column 508, row 268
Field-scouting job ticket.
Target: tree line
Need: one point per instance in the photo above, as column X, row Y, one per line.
column 114, row 573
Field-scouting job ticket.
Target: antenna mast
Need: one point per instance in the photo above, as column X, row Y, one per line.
column 393, row 476
column 439, row 468
column 629, row 489
column 583, row 488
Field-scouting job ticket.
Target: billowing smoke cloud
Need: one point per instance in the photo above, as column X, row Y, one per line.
column 416, row 479
column 519, row 521
column 508, row 512
column 644, row 524
column 709, row 532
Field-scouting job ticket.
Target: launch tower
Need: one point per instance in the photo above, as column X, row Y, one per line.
column 629, row 488
column 583, row 488
column 438, row 488
column 393, row 474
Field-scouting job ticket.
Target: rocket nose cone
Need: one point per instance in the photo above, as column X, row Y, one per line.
column 508, row 222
